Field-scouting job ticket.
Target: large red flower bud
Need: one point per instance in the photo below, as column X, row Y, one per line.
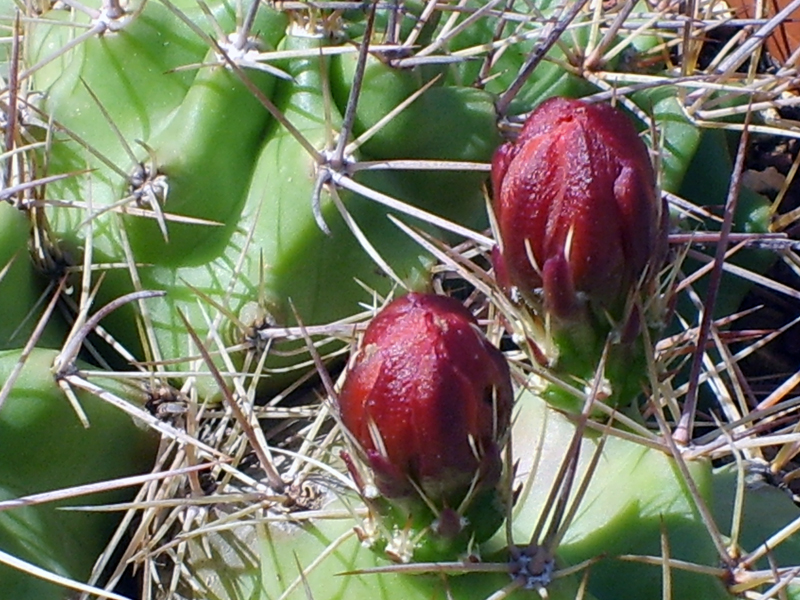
column 577, row 209
column 428, row 399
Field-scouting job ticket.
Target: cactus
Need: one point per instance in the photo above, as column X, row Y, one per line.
column 207, row 206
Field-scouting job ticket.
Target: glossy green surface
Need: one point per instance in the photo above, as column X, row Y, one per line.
column 44, row 447
column 22, row 289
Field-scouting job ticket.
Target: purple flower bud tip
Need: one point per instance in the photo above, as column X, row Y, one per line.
column 428, row 399
column 577, row 208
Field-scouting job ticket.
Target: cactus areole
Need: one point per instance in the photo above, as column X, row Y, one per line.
column 577, row 209
column 428, row 400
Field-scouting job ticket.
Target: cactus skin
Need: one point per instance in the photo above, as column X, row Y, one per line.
column 22, row 287
column 609, row 522
column 635, row 495
column 257, row 192
column 44, row 447
column 448, row 124
column 272, row 570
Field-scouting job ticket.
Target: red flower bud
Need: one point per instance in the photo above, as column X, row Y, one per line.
column 428, row 399
column 576, row 207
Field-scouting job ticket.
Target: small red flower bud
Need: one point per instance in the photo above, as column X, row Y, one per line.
column 428, row 399
column 576, row 207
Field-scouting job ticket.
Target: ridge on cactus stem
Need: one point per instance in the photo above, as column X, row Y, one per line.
column 428, row 399
column 578, row 213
